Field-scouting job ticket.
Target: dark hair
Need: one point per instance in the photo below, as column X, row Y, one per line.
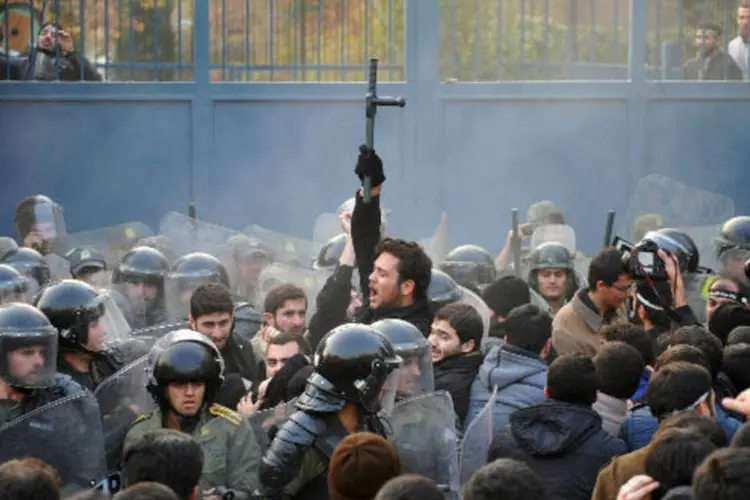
column 701, row 338
column 633, row 335
column 740, row 335
column 606, row 266
column 528, row 327
column 410, row 487
column 711, row 26
column 505, row 294
column 572, row 379
column 211, row 298
column 91, row 495
column 165, row 456
column 414, row 264
column 706, row 427
column 285, row 338
column 28, row 479
column 147, row 490
column 618, row 369
column 742, row 288
column 465, row 320
column 507, row 479
column 726, row 318
column 724, row 475
column 736, row 365
column 741, row 439
column 278, row 295
column 683, row 352
column 676, row 388
column 659, row 294
column 673, row 457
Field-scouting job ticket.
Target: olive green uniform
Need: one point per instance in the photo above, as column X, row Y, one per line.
column 230, row 450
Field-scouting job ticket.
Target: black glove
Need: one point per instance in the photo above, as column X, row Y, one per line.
column 370, row 165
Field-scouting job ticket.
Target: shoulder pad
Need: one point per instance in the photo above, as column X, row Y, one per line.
column 225, row 413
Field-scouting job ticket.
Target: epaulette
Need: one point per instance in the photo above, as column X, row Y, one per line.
column 140, row 418
column 225, row 413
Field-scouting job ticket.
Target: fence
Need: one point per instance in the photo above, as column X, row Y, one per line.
column 330, row 40
column 245, row 99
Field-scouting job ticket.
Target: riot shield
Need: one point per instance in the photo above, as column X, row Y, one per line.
column 477, row 440
column 698, row 212
column 474, row 300
column 438, row 244
column 286, row 249
column 122, row 397
column 111, row 241
column 187, row 235
column 264, row 424
column 66, row 434
column 424, row 434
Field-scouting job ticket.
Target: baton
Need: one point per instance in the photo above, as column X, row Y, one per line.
column 608, row 228
column 193, row 228
column 372, row 101
column 515, row 243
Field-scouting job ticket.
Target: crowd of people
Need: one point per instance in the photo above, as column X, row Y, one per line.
column 158, row 370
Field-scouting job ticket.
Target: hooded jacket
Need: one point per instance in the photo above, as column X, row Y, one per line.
column 520, row 377
column 455, row 375
column 563, row 443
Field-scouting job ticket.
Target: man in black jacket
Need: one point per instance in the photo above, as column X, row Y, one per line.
column 394, row 274
column 562, row 439
column 456, row 341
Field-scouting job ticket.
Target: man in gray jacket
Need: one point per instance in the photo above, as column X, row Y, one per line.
column 517, row 368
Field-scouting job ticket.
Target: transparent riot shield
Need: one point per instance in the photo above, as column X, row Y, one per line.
column 276, row 274
column 266, row 423
column 438, row 244
column 698, row 212
column 474, row 300
column 286, row 249
column 112, row 241
column 187, row 235
column 114, row 329
column 477, row 440
column 66, row 434
column 122, row 397
column 424, row 434
column 326, row 226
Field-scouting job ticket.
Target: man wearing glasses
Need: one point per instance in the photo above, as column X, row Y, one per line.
column 576, row 326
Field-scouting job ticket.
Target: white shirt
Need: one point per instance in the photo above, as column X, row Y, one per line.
column 738, row 50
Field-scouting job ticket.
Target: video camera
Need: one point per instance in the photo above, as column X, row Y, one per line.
column 642, row 260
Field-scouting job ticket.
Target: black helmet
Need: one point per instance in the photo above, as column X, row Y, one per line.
column 36, row 209
column 679, row 244
column 331, row 252
column 13, row 285
column 141, row 265
column 23, row 326
column 550, row 255
column 30, row 263
column 70, row 306
column 184, row 356
column 247, row 320
column 735, row 233
column 470, row 264
column 416, row 374
column 354, row 361
column 196, row 268
column 443, row 290
column 406, row 339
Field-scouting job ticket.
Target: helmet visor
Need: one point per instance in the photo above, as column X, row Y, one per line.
column 415, row 376
column 108, row 326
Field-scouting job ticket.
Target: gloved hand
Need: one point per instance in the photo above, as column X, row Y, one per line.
column 369, row 164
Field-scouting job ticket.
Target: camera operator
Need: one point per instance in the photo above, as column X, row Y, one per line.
column 659, row 301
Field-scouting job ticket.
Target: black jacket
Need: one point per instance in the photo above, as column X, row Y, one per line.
column 455, row 375
column 239, row 358
column 331, row 305
column 563, row 443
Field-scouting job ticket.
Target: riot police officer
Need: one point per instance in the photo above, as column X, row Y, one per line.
column 351, row 382
column 443, row 290
column 66, row 434
column 31, row 264
column 247, row 321
column 552, row 274
column 733, row 247
column 185, row 373
column 39, row 222
column 140, row 276
column 90, row 327
column 470, row 266
column 415, row 375
column 697, row 280
column 248, row 259
column 13, row 285
column 188, row 273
